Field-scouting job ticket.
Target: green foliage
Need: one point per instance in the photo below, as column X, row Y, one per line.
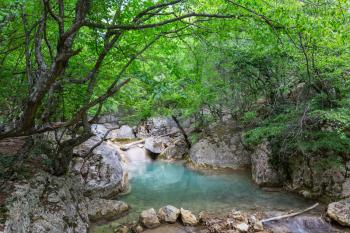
column 249, row 117
column 257, row 135
column 339, row 117
column 329, row 162
column 333, row 142
column 281, row 67
column 194, row 137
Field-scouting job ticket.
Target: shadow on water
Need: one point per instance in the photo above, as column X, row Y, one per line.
column 151, row 155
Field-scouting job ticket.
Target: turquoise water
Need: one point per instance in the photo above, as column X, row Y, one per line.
column 158, row 183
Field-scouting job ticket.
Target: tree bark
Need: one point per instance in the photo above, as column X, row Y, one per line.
column 64, row 154
column 183, row 132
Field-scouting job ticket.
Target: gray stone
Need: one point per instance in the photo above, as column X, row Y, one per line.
column 103, row 173
column 124, row 131
column 242, row 227
column 156, row 126
column 100, row 130
column 340, row 212
column 138, row 229
column 263, row 173
column 176, row 150
column 102, row 209
column 109, row 118
column 222, row 147
column 326, row 181
column 203, row 216
column 188, row 218
column 156, row 144
column 346, row 188
column 258, row 226
column 149, row 218
column 48, row 204
column 168, row 214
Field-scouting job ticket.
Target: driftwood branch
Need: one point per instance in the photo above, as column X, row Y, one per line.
column 289, row 215
column 132, row 144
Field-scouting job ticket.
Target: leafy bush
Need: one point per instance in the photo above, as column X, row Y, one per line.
column 329, row 162
column 249, row 117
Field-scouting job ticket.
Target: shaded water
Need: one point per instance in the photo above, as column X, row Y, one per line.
column 158, row 183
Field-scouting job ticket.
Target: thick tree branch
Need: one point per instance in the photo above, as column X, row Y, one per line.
column 154, row 25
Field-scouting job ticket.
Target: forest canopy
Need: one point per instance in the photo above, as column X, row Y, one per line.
column 281, row 67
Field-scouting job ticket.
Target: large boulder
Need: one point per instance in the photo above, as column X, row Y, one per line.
column 100, row 130
column 168, row 214
column 188, row 218
column 318, row 177
column 124, row 131
column 48, row 204
column 340, row 212
column 149, row 218
column 176, row 150
column 157, row 126
column 156, row 145
column 102, row 209
column 109, row 119
column 263, row 173
column 103, row 172
column 221, row 147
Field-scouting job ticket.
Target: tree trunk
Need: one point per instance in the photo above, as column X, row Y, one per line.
column 64, row 154
column 23, row 153
column 188, row 143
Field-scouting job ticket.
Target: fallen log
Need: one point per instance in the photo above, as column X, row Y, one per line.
column 132, row 144
column 289, row 215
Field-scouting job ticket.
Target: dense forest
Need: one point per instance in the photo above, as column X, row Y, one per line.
column 64, row 63
column 280, row 68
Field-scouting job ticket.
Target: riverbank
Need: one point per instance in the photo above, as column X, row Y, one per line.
column 141, row 180
column 214, row 192
column 169, row 219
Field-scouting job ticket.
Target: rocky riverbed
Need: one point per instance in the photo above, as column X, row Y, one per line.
column 87, row 193
column 170, row 219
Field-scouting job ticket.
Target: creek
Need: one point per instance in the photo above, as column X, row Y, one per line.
column 158, row 183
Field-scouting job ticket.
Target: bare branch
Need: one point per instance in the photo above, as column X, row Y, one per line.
column 157, row 6
column 270, row 22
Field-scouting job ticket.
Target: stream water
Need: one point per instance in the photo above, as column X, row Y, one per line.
column 158, row 183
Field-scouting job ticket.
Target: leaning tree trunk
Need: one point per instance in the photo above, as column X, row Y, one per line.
column 61, row 161
column 64, row 154
column 23, row 153
column 183, row 132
